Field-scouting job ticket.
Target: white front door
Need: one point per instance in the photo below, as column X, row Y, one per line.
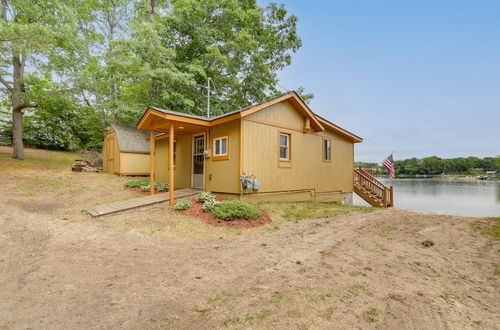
column 198, row 161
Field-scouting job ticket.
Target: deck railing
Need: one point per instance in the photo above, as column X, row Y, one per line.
column 372, row 190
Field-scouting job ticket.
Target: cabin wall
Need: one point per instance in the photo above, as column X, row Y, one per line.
column 306, row 171
column 223, row 175
column 182, row 170
column 134, row 163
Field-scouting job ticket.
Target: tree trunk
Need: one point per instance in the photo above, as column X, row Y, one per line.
column 17, row 133
column 17, row 112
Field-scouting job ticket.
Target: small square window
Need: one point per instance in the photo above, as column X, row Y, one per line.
column 220, row 146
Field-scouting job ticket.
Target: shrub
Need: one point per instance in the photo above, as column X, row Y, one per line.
column 158, row 186
column 205, row 196
column 182, row 205
column 234, row 209
column 208, row 206
column 137, row 183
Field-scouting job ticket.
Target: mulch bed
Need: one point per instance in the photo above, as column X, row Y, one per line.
column 196, row 210
column 140, row 191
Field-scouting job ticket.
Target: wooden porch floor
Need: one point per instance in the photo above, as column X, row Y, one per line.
column 140, row 202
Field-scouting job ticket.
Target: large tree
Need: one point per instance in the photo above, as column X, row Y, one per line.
column 177, row 45
column 29, row 30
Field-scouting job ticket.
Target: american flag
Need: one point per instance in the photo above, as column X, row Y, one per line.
column 389, row 164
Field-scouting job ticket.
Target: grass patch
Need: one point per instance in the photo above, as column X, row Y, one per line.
column 52, row 159
column 491, row 229
column 356, row 289
column 137, row 183
column 452, row 294
column 250, row 318
column 231, row 321
column 310, row 210
column 276, row 298
column 371, row 315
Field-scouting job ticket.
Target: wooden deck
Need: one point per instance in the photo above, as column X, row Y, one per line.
column 140, row 202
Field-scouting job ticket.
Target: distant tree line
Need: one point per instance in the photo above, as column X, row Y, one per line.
column 435, row 165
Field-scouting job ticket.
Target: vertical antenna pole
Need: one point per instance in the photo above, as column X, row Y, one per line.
column 208, row 97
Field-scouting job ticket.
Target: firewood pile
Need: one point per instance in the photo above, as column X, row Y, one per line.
column 85, row 166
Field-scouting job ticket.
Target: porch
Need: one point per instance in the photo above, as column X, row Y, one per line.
column 185, row 137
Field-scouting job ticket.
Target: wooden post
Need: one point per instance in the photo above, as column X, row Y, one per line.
column 392, row 196
column 171, row 163
column 151, row 162
column 384, row 197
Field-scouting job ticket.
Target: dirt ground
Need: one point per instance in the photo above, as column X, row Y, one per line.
column 62, row 269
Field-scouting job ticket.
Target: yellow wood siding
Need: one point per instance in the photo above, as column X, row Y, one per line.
column 134, row 163
column 182, row 172
column 306, row 170
column 224, row 173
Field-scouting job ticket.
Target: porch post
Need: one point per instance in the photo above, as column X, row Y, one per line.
column 171, row 163
column 151, row 162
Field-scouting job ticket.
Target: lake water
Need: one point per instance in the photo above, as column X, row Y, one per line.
column 470, row 198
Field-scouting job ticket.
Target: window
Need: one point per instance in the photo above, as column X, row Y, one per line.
column 327, row 150
column 284, row 146
column 220, row 146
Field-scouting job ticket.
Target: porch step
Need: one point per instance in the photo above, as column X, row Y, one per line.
column 140, row 202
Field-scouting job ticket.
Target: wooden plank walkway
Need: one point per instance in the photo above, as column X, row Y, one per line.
column 135, row 203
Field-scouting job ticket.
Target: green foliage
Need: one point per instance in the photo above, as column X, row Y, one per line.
column 182, row 205
column 137, row 183
column 311, row 210
column 209, row 205
column 234, row 209
column 105, row 61
column 205, row 196
column 158, row 186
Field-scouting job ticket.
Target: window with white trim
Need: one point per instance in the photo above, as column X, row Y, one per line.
column 284, row 146
column 220, row 146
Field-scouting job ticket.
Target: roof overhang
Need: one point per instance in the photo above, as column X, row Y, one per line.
column 339, row 130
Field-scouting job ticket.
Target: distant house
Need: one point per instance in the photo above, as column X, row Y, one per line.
column 285, row 150
column 126, row 151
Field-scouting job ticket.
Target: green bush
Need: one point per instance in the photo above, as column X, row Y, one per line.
column 182, row 205
column 137, row 183
column 158, row 186
column 234, row 209
column 205, row 196
column 208, row 206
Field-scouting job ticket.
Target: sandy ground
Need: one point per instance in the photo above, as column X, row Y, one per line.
column 61, row 269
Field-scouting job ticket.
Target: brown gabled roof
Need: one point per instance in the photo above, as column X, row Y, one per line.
column 317, row 122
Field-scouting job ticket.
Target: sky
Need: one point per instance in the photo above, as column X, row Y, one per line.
column 419, row 78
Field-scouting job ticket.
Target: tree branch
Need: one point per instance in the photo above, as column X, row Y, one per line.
column 25, row 105
column 7, row 85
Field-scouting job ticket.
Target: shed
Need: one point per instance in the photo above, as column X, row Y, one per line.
column 126, row 151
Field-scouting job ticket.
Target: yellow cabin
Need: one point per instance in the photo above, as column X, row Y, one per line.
column 276, row 150
column 126, row 151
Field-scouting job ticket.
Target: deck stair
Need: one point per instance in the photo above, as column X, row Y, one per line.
column 372, row 190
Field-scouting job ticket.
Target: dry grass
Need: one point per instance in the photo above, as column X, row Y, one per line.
column 347, row 268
